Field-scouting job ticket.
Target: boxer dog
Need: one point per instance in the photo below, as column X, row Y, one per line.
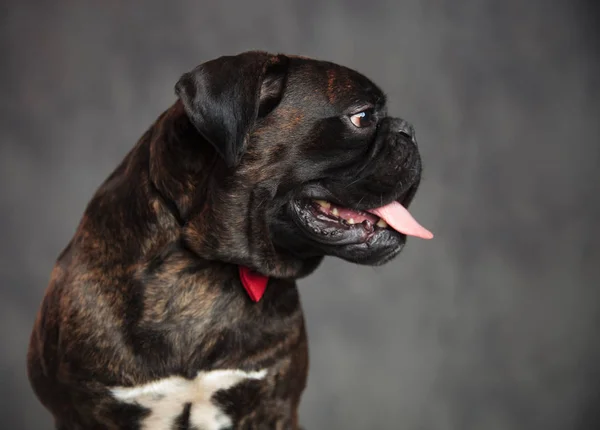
column 174, row 306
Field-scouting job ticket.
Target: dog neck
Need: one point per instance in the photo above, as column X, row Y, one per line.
column 221, row 215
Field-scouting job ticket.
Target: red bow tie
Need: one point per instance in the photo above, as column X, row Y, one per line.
column 254, row 283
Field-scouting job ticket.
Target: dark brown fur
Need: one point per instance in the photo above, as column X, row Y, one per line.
column 148, row 287
column 187, row 315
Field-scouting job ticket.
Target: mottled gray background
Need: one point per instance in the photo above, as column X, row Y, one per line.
column 492, row 325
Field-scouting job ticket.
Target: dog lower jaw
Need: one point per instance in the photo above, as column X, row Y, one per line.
column 286, row 248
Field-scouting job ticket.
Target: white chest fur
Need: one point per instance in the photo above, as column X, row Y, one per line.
column 166, row 398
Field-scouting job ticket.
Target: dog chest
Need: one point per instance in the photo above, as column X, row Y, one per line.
column 177, row 402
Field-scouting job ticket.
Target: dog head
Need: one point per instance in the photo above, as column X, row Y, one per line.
column 307, row 163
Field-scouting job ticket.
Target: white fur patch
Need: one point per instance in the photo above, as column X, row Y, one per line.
column 166, row 398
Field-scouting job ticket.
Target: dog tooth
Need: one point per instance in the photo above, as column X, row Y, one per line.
column 335, row 212
column 381, row 223
column 323, row 203
column 351, row 221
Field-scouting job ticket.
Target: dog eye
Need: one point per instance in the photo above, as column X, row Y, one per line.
column 362, row 119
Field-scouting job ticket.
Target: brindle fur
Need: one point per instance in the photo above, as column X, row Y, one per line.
column 148, row 287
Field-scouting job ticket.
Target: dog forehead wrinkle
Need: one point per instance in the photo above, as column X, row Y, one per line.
column 331, row 89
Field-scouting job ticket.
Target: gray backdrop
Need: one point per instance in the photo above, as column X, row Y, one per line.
column 490, row 326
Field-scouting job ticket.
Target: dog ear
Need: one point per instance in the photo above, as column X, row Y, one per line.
column 224, row 97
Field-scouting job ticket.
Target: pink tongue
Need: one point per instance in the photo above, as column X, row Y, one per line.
column 398, row 217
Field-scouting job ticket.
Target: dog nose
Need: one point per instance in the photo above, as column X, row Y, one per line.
column 407, row 130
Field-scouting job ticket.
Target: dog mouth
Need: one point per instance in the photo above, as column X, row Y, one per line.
column 344, row 217
column 333, row 224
